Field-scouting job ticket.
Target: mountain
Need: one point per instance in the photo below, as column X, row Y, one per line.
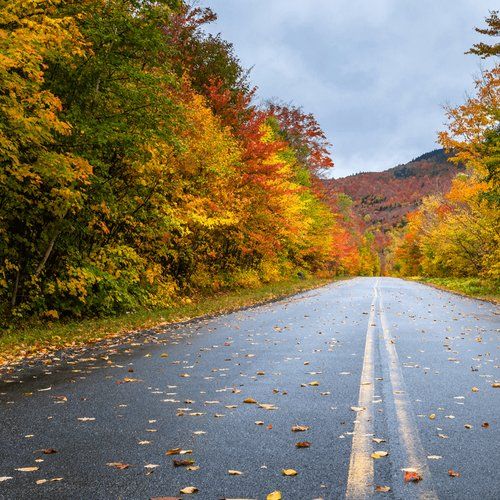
column 382, row 199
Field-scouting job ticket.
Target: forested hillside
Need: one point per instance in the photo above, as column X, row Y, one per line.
column 382, row 199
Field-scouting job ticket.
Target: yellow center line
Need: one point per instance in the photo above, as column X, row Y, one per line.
column 407, row 429
column 361, row 471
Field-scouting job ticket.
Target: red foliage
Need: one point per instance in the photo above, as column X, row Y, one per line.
column 304, row 133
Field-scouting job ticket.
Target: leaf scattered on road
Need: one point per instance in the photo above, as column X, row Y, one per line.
column 303, row 444
column 411, row 476
column 189, row 490
column 382, row 489
column 118, row 465
column 300, row 428
column 275, row 495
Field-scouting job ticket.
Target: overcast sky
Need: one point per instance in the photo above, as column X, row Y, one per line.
column 376, row 73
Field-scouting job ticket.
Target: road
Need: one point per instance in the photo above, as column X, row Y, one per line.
column 370, row 358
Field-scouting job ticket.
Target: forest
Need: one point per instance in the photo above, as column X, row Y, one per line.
column 138, row 169
column 457, row 234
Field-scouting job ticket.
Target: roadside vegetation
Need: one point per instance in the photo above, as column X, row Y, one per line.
column 36, row 337
column 472, row 287
column 454, row 240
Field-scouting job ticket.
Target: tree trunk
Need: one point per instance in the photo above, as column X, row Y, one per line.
column 46, row 255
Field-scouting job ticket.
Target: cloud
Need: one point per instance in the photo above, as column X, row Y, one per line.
column 376, row 73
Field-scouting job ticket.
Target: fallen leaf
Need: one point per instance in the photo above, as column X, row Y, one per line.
column 173, row 451
column 453, row 473
column 151, row 466
column 275, row 495
column 41, row 481
column 128, row 380
column 434, row 457
column 234, row 472
column 27, row 469
column 250, row 401
column 443, row 436
column 485, row 425
column 314, row 383
column 193, row 467
column 183, row 462
column 259, row 422
column 5, row 478
column 379, row 454
column 432, row 416
column 382, row 489
column 267, row 406
column 289, row 472
column 358, row 408
column 189, row 490
column 303, row 444
column 118, row 465
column 412, row 477
column 475, row 389
column 49, row 451
column 300, row 428
column 378, row 440
column 495, row 385
column 468, row 426
column 86, row 419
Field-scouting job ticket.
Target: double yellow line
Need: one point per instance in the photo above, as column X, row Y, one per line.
column 361, row 470
column 360, row 483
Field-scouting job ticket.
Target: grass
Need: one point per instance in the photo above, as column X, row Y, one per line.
column 37, row 338
column 472, row 287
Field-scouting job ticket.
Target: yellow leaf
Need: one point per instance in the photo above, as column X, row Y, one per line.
column 189, row 490
column 275, row 495
column 289, row 472
column 379, row 454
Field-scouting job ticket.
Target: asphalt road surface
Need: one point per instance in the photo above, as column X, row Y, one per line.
column 366, row 365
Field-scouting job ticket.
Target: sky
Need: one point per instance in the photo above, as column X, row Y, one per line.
column 375, row 73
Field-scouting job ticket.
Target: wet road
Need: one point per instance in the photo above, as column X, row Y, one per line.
column 364, row 365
